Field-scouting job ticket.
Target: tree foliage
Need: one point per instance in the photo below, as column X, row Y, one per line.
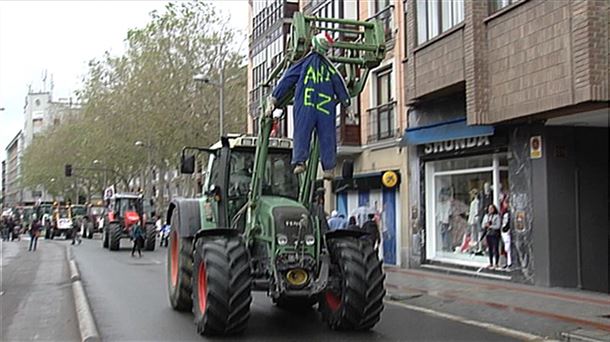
column 147, row 94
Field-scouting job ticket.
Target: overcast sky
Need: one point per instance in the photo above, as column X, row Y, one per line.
column 61, row 37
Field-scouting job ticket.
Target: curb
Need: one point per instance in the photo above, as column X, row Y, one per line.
column 86, row 323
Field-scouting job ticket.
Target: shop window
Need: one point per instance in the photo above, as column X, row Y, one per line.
column 437, row 16
column 458, row 191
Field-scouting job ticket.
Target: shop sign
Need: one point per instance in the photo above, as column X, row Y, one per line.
column 389, row 179
column 456, row 145
column 536, row 147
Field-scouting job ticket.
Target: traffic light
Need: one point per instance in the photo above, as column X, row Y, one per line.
column 68, row 170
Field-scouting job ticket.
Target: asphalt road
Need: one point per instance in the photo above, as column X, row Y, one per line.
column 36, row 300
column 129, row 301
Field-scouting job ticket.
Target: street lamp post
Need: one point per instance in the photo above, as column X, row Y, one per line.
column 221, row 90
column 99, row 162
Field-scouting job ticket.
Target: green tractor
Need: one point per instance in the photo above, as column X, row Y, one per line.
column 256, row 227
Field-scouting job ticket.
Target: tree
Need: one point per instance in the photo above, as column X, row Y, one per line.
column 147, row 94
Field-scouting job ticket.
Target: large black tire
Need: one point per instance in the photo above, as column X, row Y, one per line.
column 179, row 269
column 221, row 286
column 355, row 300
column 151, row 236
column 68, row 234
column 114, row 233
column 105, row 237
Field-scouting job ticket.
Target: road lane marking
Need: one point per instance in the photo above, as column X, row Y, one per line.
column 489, row 326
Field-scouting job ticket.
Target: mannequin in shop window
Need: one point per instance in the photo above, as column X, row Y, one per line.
column 443, row 216
column 474, row 219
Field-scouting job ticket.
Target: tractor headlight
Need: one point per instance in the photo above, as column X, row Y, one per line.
column 310, row 240
column 282, row 239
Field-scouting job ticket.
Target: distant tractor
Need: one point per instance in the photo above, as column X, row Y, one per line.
column 123, row 212
column 61, row 221
column 93, row 219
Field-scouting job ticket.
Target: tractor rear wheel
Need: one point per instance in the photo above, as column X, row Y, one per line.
column 151, row 236
column 179, row 269
column 221, row 286
column 114, row 232
column 354, row 299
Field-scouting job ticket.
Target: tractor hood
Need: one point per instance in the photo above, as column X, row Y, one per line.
column 283, row 216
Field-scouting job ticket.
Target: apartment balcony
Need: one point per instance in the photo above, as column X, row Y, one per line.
column 348, row 136
column 382, row 123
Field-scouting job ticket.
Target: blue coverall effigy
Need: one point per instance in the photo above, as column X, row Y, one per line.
column 318, row 86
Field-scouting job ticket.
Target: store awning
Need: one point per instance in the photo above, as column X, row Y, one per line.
column 447, row 130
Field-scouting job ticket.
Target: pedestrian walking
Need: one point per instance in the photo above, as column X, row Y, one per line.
column 336, row 221
column 318, row 87
column 137, row 236
column 351, row 224
column 34, row 234
column 76, row 238
column 372, row 229
column 506, row 232
column 492, row 224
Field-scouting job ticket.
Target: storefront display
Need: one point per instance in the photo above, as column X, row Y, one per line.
column 458, row 192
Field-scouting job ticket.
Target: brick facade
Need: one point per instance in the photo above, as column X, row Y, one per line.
column 528, row 58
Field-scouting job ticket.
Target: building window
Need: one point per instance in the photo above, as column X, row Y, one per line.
column 382, row 121
column 437, row 16
column 496, row 5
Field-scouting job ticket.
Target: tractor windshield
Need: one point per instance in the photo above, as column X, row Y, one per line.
column 128, row 204
column 78, row 211
column 63, row 213
column 279, row 179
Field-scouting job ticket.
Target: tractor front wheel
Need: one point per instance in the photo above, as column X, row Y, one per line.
column 221, row 287
column 151, row 236
column 354, row 298
column 179, row 269
column 105, row 237
column 114, row 232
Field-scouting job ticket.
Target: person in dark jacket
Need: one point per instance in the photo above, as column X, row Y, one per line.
column 351, row 224
column 370, row 227
column 318, row 87
column 137, row 236
column 34, row 233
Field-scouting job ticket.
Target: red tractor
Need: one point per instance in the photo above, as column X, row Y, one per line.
column 122, row 213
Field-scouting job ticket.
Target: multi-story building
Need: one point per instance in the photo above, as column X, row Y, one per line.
column 268, row 33
column 3, row 184
column 509, row 99
column 12, row 192
column 477, row 102
column 40, row 113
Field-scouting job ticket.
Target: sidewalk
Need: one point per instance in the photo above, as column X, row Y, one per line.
column 547, row 312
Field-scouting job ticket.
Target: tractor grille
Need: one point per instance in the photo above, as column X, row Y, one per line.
column 287, row 222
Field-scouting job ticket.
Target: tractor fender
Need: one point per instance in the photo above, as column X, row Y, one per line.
column 340, row 233
column 189, row 216
column 216, row 232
